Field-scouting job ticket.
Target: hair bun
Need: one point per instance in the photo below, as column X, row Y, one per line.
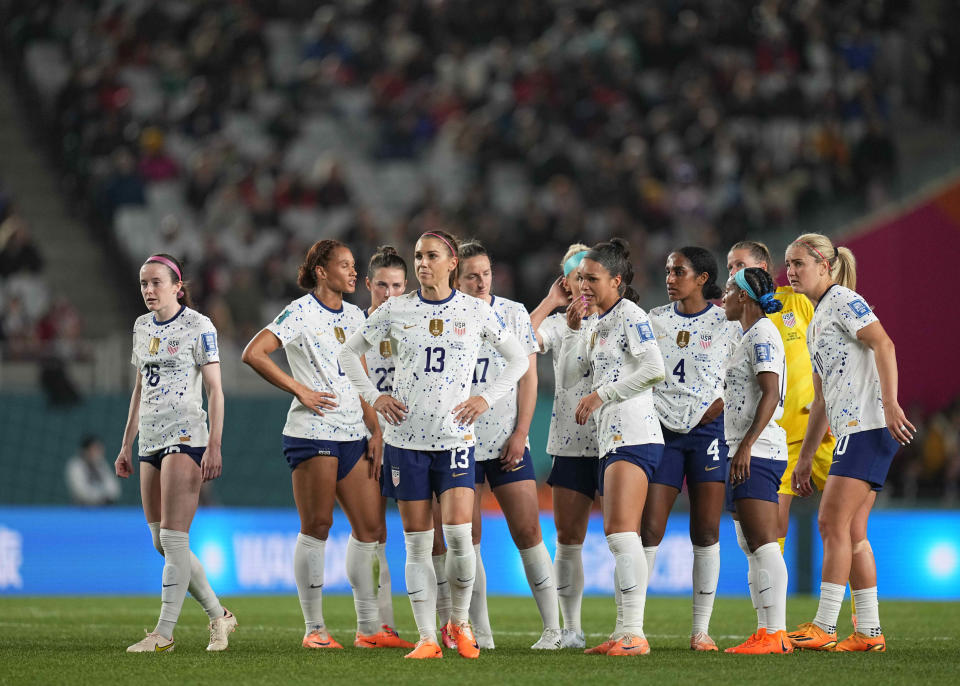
column 621, row 245
column 772, row 306
column 387, row 250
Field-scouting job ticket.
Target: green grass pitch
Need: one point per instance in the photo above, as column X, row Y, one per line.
column 82, row 641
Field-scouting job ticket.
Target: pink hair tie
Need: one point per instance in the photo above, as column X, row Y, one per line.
column 452, row 251
column 170, row 263
column 814, row 250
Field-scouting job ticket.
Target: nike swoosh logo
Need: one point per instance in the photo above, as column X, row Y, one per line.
column 542, row 581
column 405, row 327
column 316, row 585
column 629, row 647
column 441, row 583
column 415, row 592
column 459, row 474
column 560, row 588
column 705, row 592
column 764, row 590
column 626, row 590
column 835, row 462
column 710, row 469
column 166, row 585
column 464, row 581
column 160, row 649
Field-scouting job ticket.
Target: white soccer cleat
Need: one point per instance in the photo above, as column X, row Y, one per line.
column 484, row 641
column 551, row 639
column 152, row 643
column 572, row 639
column 220, row 630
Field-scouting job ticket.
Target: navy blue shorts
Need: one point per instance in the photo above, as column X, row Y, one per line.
column 865, row 455
column 298, row 450
column 763, row 484
column 700, row 456
column 195, row 453
column 646, row 456
column 580, row 474
column 421, row 474
column 492, row 472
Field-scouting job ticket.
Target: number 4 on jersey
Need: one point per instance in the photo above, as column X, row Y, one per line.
column 678, row 371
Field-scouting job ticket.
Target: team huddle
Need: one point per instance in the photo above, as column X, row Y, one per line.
column 427, row 394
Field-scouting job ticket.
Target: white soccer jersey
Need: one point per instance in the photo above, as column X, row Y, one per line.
column 435, row 345
column 566, row 437
column 760, row 350
column 312, row 335
column 695, row 350
column 847, row 368
column 494, row 426
column 168, row 356
column 616, row 341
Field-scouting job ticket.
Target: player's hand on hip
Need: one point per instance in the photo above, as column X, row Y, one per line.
column 318, row 401
column 123, row 466
column 392, row 409
column 586, row 407
column 211, row 464
column 466, row 413
column 897, row 423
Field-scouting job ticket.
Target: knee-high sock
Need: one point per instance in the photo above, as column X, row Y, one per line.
column 568, row 571
column 175, row 580
column 308, row 572
column 385, row 588
column 461, row 569
column 443, row 587
column 421, row 581
column 199, row 586
column 650, row 553
column 752, row 578
column 772, row 578
column 706, row 573
column 868, row 611
column 479, row 616
column 539, row 570
column 360, row 562
column 831, row 597
column 631, row 578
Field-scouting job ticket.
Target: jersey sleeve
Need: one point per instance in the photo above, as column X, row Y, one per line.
column 206, row 350
column 639, row 333
column 524, row 331
column 376, row 327
column 550, row 334
column 286, row 326
column 852, row 312
column 766, row 351
column 493, row 329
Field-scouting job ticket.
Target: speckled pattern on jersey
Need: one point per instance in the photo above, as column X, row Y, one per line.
column 168, row 356
column 566, row 437
column 847, row 368
column 617, row 340
column 495, row 425
column 312, row 336
column 760, row 350
column 380, row 367
column 435, row 345
column 695, row 348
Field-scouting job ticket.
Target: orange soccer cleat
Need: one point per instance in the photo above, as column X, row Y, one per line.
column 759, row 636
column 426, row 649
column 602, row 648
column 448, row 640
column 809, row 636
column 702, row 642
column 767, row 643
column 320, row 639
column 385, row 638
column 857, row 642
column 466, row 642
column 629, row 645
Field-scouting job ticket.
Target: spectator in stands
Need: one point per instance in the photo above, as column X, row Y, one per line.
column 90, row 478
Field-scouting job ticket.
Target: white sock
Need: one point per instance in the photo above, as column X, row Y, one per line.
column 385, row 588
column 631, row 578
column 175, row 580
column 568, row 571
column 479, row 616
column 751, row 578
column 199, row 586
column 421, row 581
column 706, row 573
column 443, row 587
column 461, row 569
column 772, row 578
column 831, row 597
column 650, row 553
column 868, row 611
column 618, row 599
column 539, row 570
column 308, row 572
column 359, row 563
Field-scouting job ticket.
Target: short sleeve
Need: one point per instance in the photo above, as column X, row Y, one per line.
column 524, row 332
column 550, row 334
column 638, row 332
column 206, row 350
column 852, row 311
column 376, row 327
column 286, row 326
column 492, row 327
column 766, row 352
column 134, row 360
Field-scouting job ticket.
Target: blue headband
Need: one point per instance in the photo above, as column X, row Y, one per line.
column 573, row 262
column 740, row 278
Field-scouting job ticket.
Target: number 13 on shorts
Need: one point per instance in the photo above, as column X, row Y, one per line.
column 459, row 458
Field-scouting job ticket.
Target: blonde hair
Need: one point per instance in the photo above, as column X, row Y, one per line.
column 571, row 251
column 843, row 265
column 758, row 251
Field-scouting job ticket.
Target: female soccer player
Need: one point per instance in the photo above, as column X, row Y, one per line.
column 503, row 453
column 574, row 476
column 855, row 382
column 325, row 438
column 696, row 340
column 792, row 323
column 753, row 399
column 435, row 334
column 621, row 351
column 386, row 278
column 174, row 347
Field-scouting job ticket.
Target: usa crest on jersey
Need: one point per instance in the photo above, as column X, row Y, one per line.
column 789, row 319
column 173, row 346
column 459, row 327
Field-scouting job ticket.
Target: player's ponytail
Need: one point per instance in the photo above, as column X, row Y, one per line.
column 759, row 286
column 386, row 257
column 175, row 267
column 318, row 255
column 704, row 262
column 614, row 256
column 843, row 266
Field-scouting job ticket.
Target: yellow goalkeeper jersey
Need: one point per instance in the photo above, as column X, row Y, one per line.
column 792, row 322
